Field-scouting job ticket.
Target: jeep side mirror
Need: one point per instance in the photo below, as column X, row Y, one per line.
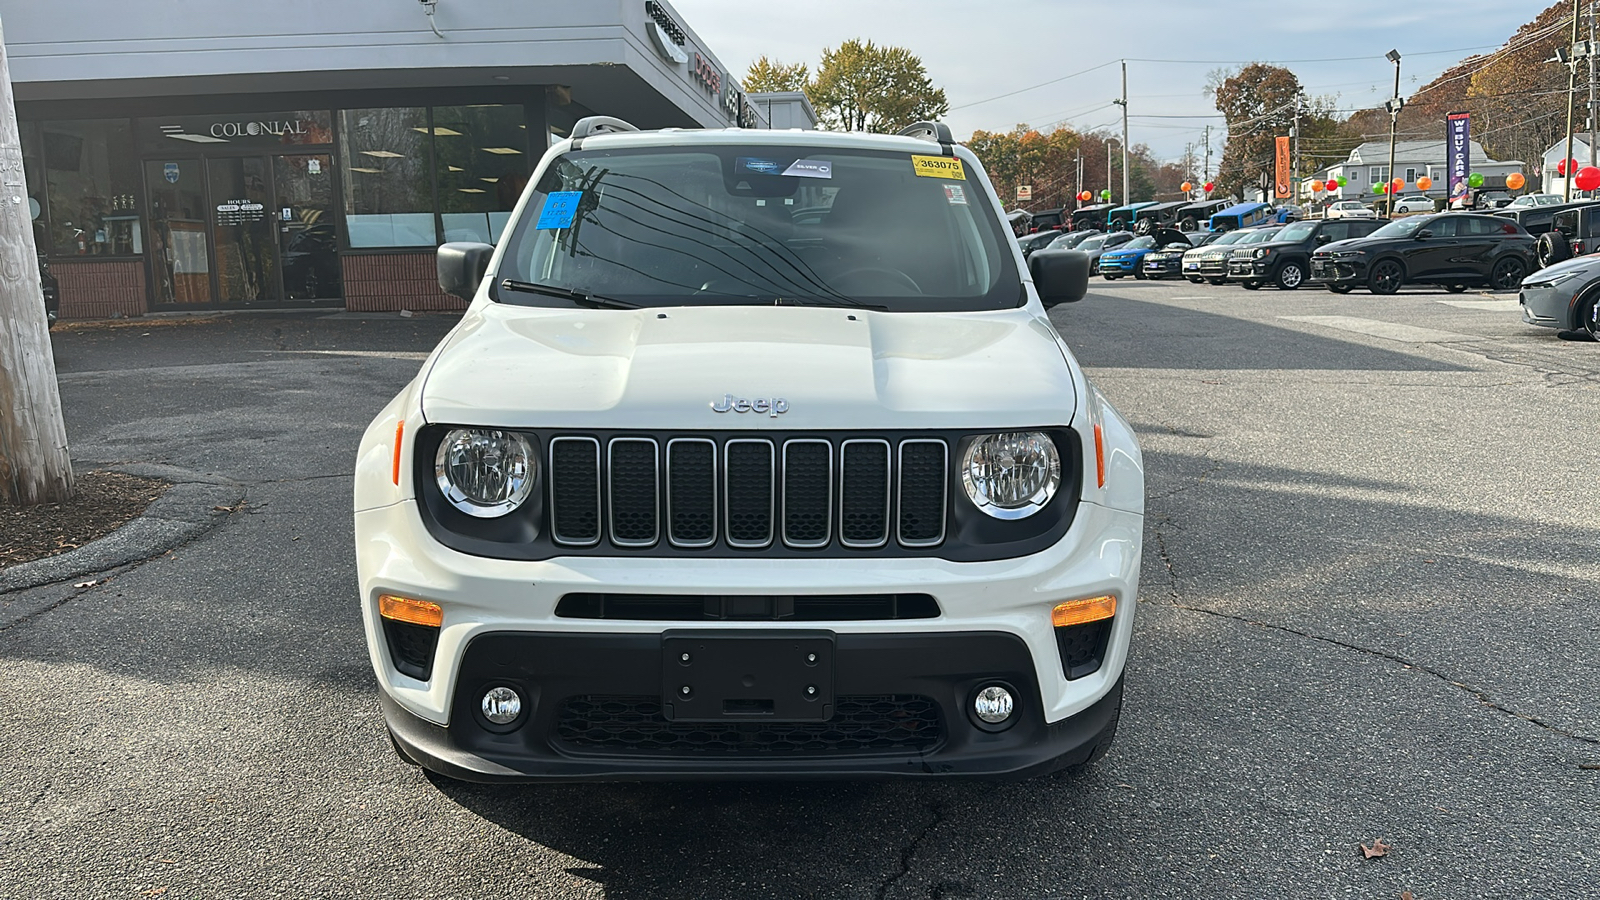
column 462, row 266
column 1060, row 276
column 1422, row 233
column 1324, row 238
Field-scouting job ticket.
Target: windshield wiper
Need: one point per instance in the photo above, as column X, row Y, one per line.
column 592, row 301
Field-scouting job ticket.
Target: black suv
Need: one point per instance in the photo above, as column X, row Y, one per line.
column 1574, row 231
column 1286, row 259
column 1450, row 249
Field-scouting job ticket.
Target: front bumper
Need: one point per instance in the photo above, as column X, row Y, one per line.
column 1248, row 269
column 1012, row 598
column 1338, row 271
column 1549, row 307
column 1160, row 266
column 1213, row 268
column 1119, row 266
column 597, row 716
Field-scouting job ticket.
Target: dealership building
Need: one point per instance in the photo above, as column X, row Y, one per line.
column 238, row 154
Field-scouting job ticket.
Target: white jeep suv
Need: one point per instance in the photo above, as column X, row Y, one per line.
column 754, row 455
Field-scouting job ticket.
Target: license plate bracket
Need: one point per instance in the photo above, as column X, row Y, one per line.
column 782, row 676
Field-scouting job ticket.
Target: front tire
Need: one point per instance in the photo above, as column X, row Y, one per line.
column 1109, row 277
column 1291, row 276
column 1250, row 285
column 1386, row 277
column 1217, row 281
column 1340, row 288
column 1194, row 280
column 1589, row 318
column 1507, row 274
column 1456, row 288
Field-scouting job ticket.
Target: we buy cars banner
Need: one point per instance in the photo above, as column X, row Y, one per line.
column 1458, row 137
column 1283, row 187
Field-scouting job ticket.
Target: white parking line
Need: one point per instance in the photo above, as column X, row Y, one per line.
column 1409, row 334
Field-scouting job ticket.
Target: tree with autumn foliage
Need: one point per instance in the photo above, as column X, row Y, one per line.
column 1023, row 155
column 1258, row 101
column 766, row 75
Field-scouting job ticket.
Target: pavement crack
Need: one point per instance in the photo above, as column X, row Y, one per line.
column 300, row 480
column 910, row 850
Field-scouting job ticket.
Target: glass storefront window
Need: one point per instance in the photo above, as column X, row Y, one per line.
column 481, row 157
column 92, row 181
column 388, row 191
column 33, row 172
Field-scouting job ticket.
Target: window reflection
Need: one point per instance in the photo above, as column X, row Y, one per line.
column 481, row 155
column 388, row 192
column 92, row 179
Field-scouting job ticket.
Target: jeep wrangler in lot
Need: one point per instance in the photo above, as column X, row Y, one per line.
column 754, row 456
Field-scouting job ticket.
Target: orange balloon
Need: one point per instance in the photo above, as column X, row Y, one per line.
column 1515, row 181
column 1424, row 183
column 1399, row 185
column 1186, row 187
column 1316, row 187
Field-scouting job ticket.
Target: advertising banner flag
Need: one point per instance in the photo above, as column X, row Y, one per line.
column 1283, row 188
column 1458, row 156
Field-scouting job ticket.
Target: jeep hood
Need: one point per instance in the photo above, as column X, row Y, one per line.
column 666, row 369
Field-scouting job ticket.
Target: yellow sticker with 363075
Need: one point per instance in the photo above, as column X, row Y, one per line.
column 938, row 167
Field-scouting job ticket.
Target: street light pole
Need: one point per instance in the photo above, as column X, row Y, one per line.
column 1572, row 91
column 1124, row 104
column 1395, row 106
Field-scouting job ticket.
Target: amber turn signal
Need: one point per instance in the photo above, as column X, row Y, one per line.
column 399, row 432
column 1099, row 455
column 405, row 609
column 1082, row 612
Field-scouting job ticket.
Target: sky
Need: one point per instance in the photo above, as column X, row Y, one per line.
column 982, row 51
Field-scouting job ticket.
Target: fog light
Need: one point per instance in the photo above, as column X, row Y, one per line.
column 502, row 705
column 993, row 704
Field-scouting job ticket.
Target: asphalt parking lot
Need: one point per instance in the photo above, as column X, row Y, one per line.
column 1369, row 611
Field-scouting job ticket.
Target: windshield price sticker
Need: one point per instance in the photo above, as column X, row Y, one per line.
column 956, row 194
column 560, row 210
column 810, row 168
column 938, row 167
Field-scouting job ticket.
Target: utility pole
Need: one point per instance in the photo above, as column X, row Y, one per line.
column 1206, row 175
column 1124, row 104
column 1572, row 90
column 35, row 466
column 1594, row 125
column 1395, row 105
column 1108, row 165
column 1294, row 171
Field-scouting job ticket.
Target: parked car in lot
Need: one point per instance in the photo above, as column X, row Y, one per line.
column 1350, row 209
column 1215, row 269
column 1212, row 256
column 1565, row 295
column 1036, row 241
column 1455, row 250
column 1168, row 260
column 1285, row 260
column 1527, row 200
column 1069, row 240
column 1574, row 231
column 674, row 508
column 1416, row 203
column 1090, row 218
column 1129, row 258
column 1241, row 215
column 1048, row 219
column 51, row 290
column 1100, row 243
column 1196, row 216
column 1121, row 217
column 1161, row 215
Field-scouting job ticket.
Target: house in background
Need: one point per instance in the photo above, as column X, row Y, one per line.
column 1556, row 183
column 1369, row 164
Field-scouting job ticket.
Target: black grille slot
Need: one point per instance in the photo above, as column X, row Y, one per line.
column 1083, row 647
column 864, row 494
column 695, row 607
column 692, row 492
column 807, row 492
column 575, row 490
column 411, row 647
column 749, row 492
column 634, row 498
column 923, row 476
column 625, row 724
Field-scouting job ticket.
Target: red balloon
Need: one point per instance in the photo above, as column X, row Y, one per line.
column 1561, row 167
column 1210, row 186
column 1587, row 179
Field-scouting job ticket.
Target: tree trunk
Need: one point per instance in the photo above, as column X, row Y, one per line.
column 35, row 466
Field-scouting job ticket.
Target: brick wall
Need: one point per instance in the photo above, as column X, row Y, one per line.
column 393, row 281
column 100, row 290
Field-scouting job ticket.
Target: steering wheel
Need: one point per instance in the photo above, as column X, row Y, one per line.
column 882, row 275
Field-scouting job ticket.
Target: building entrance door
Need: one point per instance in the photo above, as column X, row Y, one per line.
column 308, row 244
column 243, row 234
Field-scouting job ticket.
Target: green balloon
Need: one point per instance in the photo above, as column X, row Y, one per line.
column 1343, row 181
column 1377, row 188
column 1105, row 195
column 1475, row 180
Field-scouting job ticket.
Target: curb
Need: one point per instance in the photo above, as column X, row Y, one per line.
column 186, row 511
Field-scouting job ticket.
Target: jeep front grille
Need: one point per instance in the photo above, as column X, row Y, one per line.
column 748, row 493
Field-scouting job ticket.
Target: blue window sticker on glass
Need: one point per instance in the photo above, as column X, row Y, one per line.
column 757, row 166
column 560, row 209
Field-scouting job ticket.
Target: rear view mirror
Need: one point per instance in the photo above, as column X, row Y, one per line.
column 1060, row 276
column 1422, row 233
column 461, row 267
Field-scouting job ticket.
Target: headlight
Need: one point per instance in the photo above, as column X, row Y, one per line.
column 1349, row 254
column 1555, row 280
column 1012, row 475
column 483, row 473
column 1263, row 252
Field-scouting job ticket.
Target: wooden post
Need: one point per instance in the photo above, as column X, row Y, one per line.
column 35, row 465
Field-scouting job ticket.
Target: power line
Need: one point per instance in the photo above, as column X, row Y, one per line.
column 1034, row 86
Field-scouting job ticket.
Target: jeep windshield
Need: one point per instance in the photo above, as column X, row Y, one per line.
column 760, row 224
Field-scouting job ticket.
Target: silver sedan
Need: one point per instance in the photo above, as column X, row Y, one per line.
column 1564, row 296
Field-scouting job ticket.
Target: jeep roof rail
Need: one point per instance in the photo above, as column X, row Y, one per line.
column 932, row 131
column 591, row 125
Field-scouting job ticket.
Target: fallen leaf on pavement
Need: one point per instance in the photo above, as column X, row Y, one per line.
column 1406, row 895
column 1378, row 848
column 84, row 584
column 1594, row 766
